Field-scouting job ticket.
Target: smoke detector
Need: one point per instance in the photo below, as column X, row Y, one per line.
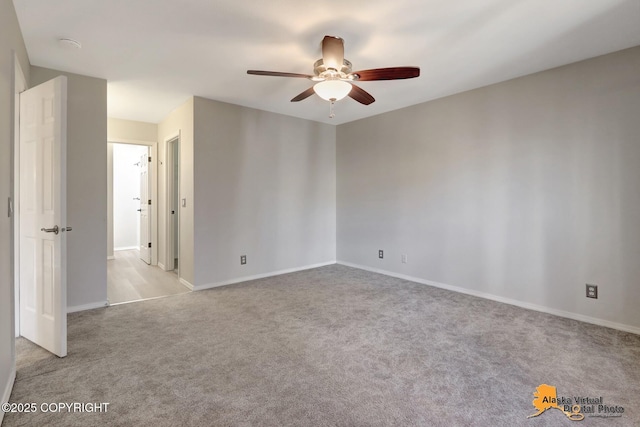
column 70, row 43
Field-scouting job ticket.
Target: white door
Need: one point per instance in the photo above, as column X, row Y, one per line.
column 43, row 216
column 145, row 209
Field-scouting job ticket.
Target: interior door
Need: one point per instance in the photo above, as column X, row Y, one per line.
column 145, row 201
column 42, row 210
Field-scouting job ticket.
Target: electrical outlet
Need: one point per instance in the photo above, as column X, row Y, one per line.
column 403, row 258
column 592, row 291
column 243, row 259
column 380, row 254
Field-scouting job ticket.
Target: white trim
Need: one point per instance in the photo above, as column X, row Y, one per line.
column 517, row 303
column 131, row 141
column 19, row 85
column 110, row 257
column 125, row 248
column 169, row 255
column 90, row 306
column 187, row 284
column 260, row 276
column 7, row 390
column 146, row 299
column 161, row 265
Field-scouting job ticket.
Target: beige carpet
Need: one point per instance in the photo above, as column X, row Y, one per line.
column 333, row 346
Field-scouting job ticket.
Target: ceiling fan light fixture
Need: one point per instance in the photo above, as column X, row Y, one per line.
column 332, row 90
column 334, row 80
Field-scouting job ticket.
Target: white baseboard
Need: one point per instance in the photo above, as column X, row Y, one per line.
column 7, row 389
column 260, row 276
column 535, row 307
column 110, row 257
column 161, row 265
column 89, row 306
column 187, row 284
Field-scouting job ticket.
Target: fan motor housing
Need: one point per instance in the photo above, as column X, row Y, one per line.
column 320, row 70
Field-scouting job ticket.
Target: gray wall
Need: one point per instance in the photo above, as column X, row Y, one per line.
column 131, row 131
column 86, row 187
column 265, row 188
column 10, row 41
column 522, row 191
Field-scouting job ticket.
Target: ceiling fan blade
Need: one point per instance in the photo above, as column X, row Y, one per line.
column 333, row 52
column 304, row 95
column 278, row 74
column 391, row 73
column 361, row 95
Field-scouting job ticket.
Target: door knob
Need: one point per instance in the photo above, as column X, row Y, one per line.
column 55, row 229
column 139, row 210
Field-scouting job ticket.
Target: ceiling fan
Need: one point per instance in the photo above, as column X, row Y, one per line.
column 334, row 77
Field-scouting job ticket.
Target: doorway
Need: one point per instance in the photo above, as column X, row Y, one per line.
column 130, row 205
column 132, row 271
column 173, row 167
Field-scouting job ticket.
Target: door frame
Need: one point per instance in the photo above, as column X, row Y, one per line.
column 169, row 252
column 20, row 85
column 153, row 166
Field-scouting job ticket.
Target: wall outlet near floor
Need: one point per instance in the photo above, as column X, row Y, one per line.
column 380, row 253
column 403, row 258
column 592, row 291
column 243, row 259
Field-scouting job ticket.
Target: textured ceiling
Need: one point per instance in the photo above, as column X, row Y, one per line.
column 156, row 54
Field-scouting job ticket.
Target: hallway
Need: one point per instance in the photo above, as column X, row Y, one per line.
column 130, row 279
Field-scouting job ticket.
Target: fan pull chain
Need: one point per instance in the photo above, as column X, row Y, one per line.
column 331, row 103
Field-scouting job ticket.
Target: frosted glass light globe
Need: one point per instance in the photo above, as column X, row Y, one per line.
column 332, row 89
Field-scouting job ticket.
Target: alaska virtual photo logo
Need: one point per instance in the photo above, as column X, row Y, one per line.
column 575, row 408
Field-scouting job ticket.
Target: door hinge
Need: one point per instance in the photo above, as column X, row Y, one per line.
column 149, row 244
column 149, row 201
column 149, row 159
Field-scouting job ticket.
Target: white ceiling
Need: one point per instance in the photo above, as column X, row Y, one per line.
column 155, row 54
